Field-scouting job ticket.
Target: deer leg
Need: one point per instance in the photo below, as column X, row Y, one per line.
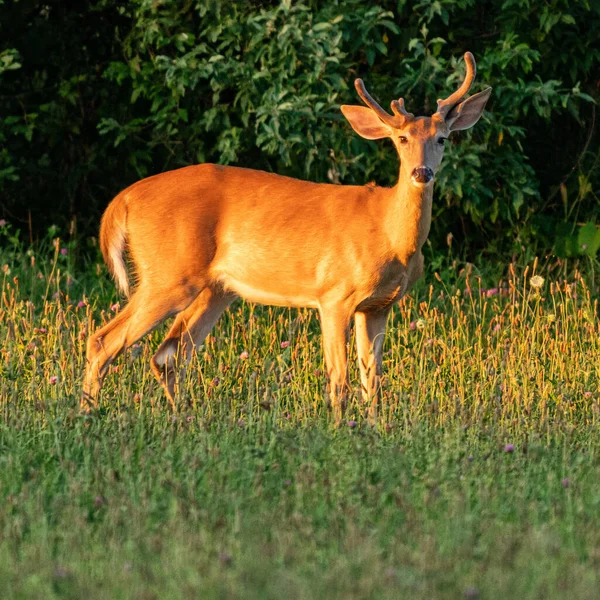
column 188, row 331
column 370, row 333
column 144, row 312
column 335, row 325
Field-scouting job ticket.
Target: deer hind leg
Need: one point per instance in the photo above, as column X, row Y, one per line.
column 335, row 326
column 188, row 331
column 370, row 333
column 145, row 310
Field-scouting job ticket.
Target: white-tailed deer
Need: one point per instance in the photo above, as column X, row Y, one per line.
column 201, row 236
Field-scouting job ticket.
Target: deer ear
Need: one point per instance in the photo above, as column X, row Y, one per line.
column 468, row 112
column 365, row 122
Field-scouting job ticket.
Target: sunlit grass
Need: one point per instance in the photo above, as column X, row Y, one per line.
column 480, row 479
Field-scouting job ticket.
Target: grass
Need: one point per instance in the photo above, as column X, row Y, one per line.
column 481, row 479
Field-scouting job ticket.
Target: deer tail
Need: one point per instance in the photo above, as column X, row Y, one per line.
column 113, row 240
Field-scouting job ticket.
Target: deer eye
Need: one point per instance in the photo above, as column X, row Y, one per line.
column 403, row 139
column 441, row 141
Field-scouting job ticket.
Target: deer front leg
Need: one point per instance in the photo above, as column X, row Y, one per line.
column 335, row 325
column 370, row 333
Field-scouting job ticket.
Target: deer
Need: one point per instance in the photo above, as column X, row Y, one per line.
column 201, row 236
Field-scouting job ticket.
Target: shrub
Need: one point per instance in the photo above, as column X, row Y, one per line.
column 158, row 85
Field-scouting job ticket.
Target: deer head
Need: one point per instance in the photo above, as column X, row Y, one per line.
column 418, row 140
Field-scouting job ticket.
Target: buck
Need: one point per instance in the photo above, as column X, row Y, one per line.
column 201, row 236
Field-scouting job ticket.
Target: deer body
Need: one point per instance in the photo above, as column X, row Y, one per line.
column 203, row 235
column 237, row 254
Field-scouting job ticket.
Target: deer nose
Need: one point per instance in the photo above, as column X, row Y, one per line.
column 422, row 174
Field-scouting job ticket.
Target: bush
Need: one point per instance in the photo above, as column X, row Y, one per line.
column 98, row 95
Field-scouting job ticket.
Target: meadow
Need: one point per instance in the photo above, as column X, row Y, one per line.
column 480, row 480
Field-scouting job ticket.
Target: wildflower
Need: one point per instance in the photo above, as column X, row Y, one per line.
column 40, row 330
column 64, row 251
column 189, row 418
column 352, row 424
column 537, row 282
column 115, row 307
column 285, row 344
column 565, row 482
column 509, row 448
column 421, row 323
column 551, row 317
column 241, row 422
column 61, row 573
column 244, row 355
column 491, row 292
column 413, row 325
column 80, row 304
column 52, row 380
column 2, row 222
column 471, row 593
column 215, row 382
column 497, row 327
column 136, row 350
column 6, row 269
column 587, row 394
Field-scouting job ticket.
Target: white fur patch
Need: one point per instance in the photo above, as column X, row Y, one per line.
column 164, row 354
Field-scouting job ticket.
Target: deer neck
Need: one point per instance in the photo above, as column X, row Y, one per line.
column 409, row 216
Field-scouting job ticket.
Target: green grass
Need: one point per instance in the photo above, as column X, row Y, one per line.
column 480, row 480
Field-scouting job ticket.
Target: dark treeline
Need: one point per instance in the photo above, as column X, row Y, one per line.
column 95, row 95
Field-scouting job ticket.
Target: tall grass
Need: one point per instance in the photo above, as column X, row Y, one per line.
column 480, row 479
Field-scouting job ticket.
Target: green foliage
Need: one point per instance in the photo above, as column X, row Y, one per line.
column 147, row 86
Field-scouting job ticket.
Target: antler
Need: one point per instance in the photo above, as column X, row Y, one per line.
column 399, row 110
column 398, row 119
column 445, row 106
